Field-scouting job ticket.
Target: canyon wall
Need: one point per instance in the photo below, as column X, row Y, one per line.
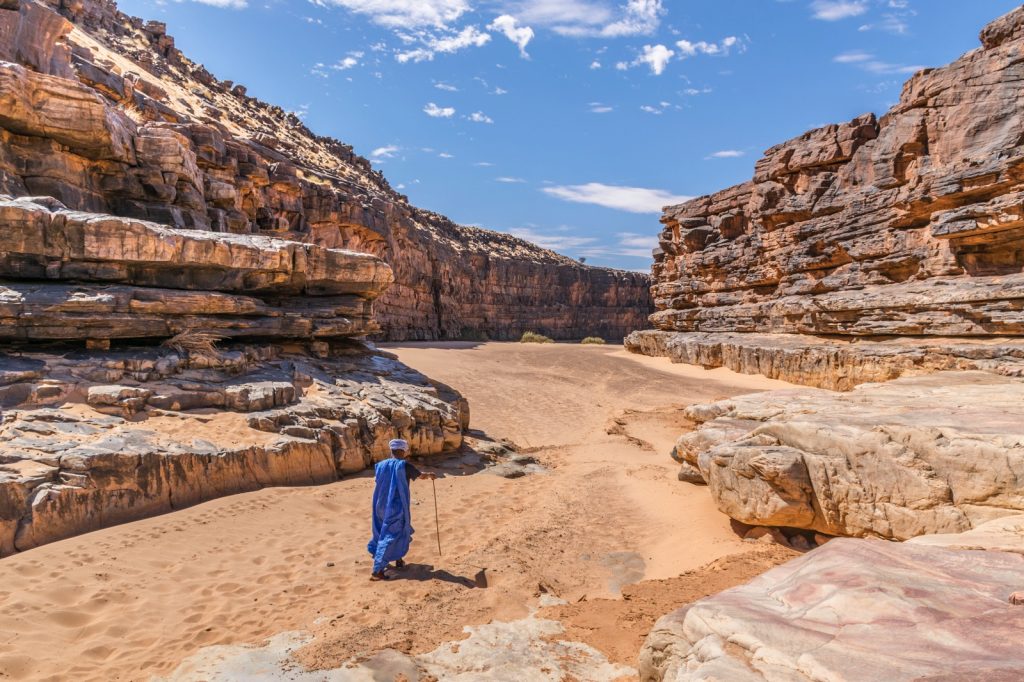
column 911, row 225
column 102, row 113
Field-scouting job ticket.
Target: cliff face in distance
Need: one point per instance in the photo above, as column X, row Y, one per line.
column 101, row 112
column 908, row 225
column 864, row 250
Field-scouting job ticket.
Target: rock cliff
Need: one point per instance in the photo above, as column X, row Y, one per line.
column 905, row 226
column 102, row 113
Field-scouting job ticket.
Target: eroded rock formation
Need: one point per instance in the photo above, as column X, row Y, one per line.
column 939, row 453
column 90, row 439
column 905, row 226
column 852, row 610
column 102, row 113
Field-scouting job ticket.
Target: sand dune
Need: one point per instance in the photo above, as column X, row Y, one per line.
column 133, row 601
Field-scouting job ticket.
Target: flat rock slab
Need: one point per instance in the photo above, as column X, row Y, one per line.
column 853, row 610
column 59, row 311
column 45, row 241
column 829, row 362
column 940, row 453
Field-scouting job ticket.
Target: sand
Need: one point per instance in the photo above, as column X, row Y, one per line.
column 133, row 601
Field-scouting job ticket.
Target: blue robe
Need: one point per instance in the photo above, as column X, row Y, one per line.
column 392, row 522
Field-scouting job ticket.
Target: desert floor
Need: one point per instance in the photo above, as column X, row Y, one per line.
column 604, row 516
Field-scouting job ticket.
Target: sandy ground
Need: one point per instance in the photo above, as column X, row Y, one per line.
column 133, row 601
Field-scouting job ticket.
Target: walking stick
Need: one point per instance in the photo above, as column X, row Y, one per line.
column 437, row 524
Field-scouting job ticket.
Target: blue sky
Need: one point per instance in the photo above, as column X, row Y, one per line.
column 570, row 122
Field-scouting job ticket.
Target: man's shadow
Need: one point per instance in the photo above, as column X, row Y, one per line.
column 425, row 572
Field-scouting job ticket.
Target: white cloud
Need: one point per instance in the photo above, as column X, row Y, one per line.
column 510, row 28
column 509, row 180
column 852, row 57
column 655, row 56
column 435, row 111
column 470, row 36
column 480, row 117
column 690, row 49
column 834, row 10
column 595, row 64
column 727, row 154
column 500, row 91
column 229, row 4
column 868, row 62
column 446, row 87
column 406, row 13
column 446, row 155
column 598, row 108
column 483, row 164
column 590, row 18
column 346, row 63
column 559, row 242
column 386, row 152
column 649, row 109
column 632, row 199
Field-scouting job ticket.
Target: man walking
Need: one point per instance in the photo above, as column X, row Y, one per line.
column 392, row 522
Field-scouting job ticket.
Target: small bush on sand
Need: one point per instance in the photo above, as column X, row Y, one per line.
column 534, row 337
column 593, row 340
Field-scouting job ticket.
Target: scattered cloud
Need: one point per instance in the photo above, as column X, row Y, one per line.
column 656, row 57
column 598, row 108
column 868, row 62
column 835, row 10
column 500, row 91
column 595, row 64
column 509, row 180
column 561, row 241
column 228, row 4
column 386, row 152
column 435, row 111
column 509, row 26
column 446, row 155
column 591, row 18
column 431, row 44
column 446, row 87
column 852, row 57
column 726, row 154
column 403, row 13
column 719, row 49
column 480, row 117
column 484, row 164
column 632, row 199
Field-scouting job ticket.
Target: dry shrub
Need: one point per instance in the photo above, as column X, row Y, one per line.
column 593, row 340
column 193, row 342
column 534, row 337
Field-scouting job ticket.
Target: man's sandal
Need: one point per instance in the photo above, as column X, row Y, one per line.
column 383, row 575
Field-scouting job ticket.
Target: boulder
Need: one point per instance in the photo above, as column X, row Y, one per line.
column 931, row 454
column 856, row 610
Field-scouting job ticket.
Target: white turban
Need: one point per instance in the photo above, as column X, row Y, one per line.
column 399, row 444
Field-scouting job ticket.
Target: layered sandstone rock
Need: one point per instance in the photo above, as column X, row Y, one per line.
column 905, row 226
column 835, row 363
column 90, row 439
column 931, row 454
column 852, row 610
column 102, row 113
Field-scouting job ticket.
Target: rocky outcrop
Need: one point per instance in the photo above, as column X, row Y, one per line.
column 933, row 454
column 89, row 440
column 904, row 226
column 852, row 610
column 835, row 363
column 102, row 113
